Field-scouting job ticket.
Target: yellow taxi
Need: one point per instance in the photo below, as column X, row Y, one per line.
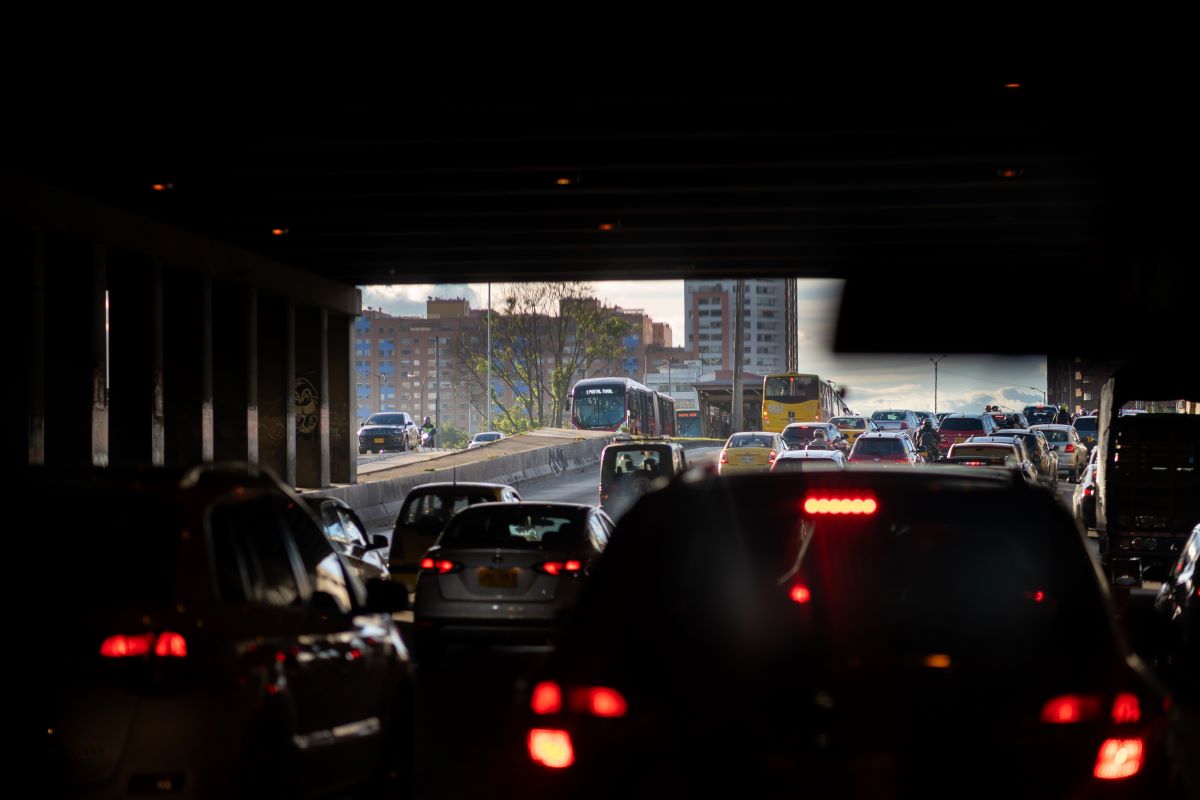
column 853, row 427
column 751, row 451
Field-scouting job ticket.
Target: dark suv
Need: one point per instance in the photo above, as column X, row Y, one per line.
column 204, row 639
column 392, row 430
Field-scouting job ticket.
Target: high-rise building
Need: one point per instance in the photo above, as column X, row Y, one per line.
column 767, row 326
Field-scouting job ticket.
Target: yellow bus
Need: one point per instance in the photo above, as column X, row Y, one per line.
column 793, row 397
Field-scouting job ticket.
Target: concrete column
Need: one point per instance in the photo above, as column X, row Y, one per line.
column 289, row 417
column 251, row 375
column 206, row 369
column 74, row 396
column 183, row 356
column 134, row 339
column 276, row 443
column 343, row 439
column 231, row 333
column 37, row 349
column 312, row 398
column 158, row 440
column 99, row 360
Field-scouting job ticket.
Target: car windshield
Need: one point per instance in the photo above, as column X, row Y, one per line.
column 791, row 389
column 518, row 527
column 387, row 419
column 487, row 437
column 878, row 447
column 599, row 406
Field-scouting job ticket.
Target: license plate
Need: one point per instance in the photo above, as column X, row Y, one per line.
column 498, row 578
column 749, row 459
column 379, row 440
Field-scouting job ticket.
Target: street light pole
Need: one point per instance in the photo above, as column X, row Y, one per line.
column 489, row 359
column 1043, row 391
column 935, row 361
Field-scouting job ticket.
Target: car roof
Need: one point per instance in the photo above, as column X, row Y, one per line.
column 881, row 435
column 443, row 486
column 828, row 455
column 543, row 505
column 1050, row 426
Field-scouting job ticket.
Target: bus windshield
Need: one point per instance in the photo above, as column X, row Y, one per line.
column 599, row 406
column 790, row 388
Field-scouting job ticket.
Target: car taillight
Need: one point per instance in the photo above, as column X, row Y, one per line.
column 1119, row 758
column 441, row 566
column 1126, row 708
column 551, row 748
column 800, row 594
column 724, row 457
column 1069, row 448
column 546, row 699
column 165, row 645
column 903, row 426
column 1068, row 709
column 557, row 568
column 840, row 505
column 1088, row 491
column 599, row 701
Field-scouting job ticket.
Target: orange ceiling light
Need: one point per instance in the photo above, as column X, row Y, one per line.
column 564, row 181
column 279, row 231
column 162, row 187
column 608, row 226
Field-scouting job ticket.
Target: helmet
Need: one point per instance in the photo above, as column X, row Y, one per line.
column 1063, row 406
column 927, row 423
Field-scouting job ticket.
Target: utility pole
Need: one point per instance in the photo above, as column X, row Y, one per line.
column 738, row 338
column 935, row 361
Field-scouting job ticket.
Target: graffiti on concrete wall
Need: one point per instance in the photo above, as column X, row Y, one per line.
column 307, row 404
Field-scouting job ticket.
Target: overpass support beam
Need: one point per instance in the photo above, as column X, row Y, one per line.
column 135, row 361
column 235, row 378
column 312, row 398
column 343, row 433
column 187, row 368
column 276, row 380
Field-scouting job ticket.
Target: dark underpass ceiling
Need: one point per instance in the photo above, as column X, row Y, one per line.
column 886, row 184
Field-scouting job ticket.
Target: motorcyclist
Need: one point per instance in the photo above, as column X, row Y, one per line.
column 429, row 431
column 818, row 441
column 928, row 440
column 1064, row 416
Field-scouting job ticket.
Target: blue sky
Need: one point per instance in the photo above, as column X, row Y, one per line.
column 965, row 382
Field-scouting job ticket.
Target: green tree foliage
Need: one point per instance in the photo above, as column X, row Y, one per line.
column 452, row 437
column 545, row 336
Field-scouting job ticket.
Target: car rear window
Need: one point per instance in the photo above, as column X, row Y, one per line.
column 427, row 507
column 805, row 434
column 515, row 527
column 1056, row 436
column 890, row 416
column 751, row 440
column 961, row 424
column 878, row 447
column 1086, row 424
column 848, row 422
column 983, row 450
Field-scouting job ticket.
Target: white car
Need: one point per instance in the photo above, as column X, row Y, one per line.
column 800, row 460
column 485, row 437
column 1072, row 452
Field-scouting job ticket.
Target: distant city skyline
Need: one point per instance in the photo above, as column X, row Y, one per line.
column 965, row 382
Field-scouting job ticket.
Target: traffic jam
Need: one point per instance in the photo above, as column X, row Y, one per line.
column 901, row 604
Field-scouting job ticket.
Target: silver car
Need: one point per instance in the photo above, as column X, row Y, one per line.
column 506, row 571
column 1072, row 452
column 896, row 420
column 801, row 460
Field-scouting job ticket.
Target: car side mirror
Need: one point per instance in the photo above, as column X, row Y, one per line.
column 378, row 542
column 386, row 597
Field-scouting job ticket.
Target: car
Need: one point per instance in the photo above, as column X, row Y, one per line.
column 754, row 631
column 1072, row 452
column 884, row 447
column 1041, row 414
column 983, row 452
column 941, row 415
column 1041, row 454
column 800, row 435
column 896, row 420
column 1083, row 502
column 506, row 572
column 210, row 642
column 750, row 451
column 1008, row 419
column 957, row 428
column 484, row 437
column 389, row 431
column 1088, row 428
column 1178, row 607
column 630, row 469
column 426, row 510
column 348, row 536
column 926, row 415
column 801, row 460
column 851, row 427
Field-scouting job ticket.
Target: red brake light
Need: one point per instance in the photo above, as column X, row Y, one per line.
column 724, row 457
column 573, row 566
column 428, row 563
column 1126, row 708
column 166, row 645
column 550, row 567
column 903, row 426
column 1068, row 709
column 800, row 594
column 1088, row 491
column 547, row 698
column 171, row 645
column 600, row 701
column 121, row 646
column 1069, row 448
column 443, row 566
column 827, row 505
column 551, row 748
column 1118, row 758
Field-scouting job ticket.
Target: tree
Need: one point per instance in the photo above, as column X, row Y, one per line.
column 543, row 336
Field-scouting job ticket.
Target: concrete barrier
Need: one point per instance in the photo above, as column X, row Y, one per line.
column 522, row 458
